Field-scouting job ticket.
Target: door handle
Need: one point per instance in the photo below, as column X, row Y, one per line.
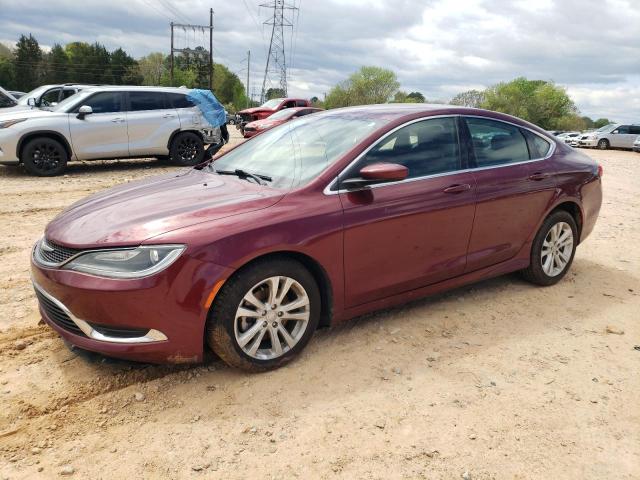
column 459, row 188
column 118, row 120
column 536, row 177
column 168, row 115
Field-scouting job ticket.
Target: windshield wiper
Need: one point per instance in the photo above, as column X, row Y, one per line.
column 244, row 174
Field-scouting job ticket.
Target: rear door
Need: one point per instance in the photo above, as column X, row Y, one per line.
column 150, row 122
column 515, row 185
column 103, row 133
column 189, row 114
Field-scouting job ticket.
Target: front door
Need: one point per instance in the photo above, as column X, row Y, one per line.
column 103, row 133
column 514, row 188
column 624, row 136
column 408, row 234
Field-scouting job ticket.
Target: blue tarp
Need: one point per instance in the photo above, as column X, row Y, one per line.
column 209, row 105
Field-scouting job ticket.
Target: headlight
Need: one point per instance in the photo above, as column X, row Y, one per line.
column 126, row 262
column 8, row 123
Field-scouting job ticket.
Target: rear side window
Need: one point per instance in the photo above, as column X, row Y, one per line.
column 104, row 102
column 496, row 143
column 426, row 148
column 66, row 93
column 301, row 103
column 634, row 129
column 179, row 100
column 538, row 146
column 141, row 101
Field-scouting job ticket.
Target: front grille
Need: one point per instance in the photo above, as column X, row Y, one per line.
column 53, row 253
column 57, row 315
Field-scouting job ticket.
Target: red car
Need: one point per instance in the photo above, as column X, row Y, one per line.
column 309, row 224
column 269, row 108
column 278, row 118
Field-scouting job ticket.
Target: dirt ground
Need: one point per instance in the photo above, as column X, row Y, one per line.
column 497, row 380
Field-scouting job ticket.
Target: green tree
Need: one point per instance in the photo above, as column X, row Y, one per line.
column 542, row 103
column 152, row 68
column 27, row 61
column 571, row 122
column 470, row 98
column 369, row 85
column 601, row 122
column 89, row 63
column 7, row 74
column 123, row 68
column 5, row 52
column 274, row 93
column 56, row 65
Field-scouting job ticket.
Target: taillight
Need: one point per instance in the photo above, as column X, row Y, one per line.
column 600, row 171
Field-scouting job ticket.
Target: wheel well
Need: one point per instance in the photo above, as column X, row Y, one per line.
column 177, row 132
column 319, row 275
column 572, row 209
column 52, row 135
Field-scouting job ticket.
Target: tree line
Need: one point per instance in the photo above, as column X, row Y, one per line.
column 541, row 102
column 28, row 66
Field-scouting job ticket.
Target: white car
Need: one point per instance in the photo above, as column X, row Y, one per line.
column 636, row 145
column 106, row 123
column 614, row 135
column 6, row 100
column 570, row 138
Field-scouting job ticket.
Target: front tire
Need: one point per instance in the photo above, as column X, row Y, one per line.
column 44, row 157
column 187, row 149
column 603, row 144
column 553, row 249
column 264, row 315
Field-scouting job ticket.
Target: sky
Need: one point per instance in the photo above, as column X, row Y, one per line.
column 437, row 47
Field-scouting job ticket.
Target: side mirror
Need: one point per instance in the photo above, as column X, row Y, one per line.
column 377, row 173
column 83, row 111
column 53, row 104
column 31, row 102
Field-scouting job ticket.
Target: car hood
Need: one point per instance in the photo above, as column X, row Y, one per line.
column 132, row 213
column 263, row 123
column 20, row 111
column 255, row 110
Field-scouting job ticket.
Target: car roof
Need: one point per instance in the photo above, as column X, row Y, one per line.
column 129, row 88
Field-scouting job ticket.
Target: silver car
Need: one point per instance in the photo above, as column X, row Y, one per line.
column 614, row 135
column 106, row 123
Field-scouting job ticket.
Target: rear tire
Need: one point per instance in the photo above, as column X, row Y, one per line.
column 553, row 249
column 261, row 333
column 187, row 149
column 603, row 144
column 44, row 157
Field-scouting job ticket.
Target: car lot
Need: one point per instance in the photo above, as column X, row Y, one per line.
column 500, row 379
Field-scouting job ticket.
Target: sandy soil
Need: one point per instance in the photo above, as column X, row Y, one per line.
column 498, row 380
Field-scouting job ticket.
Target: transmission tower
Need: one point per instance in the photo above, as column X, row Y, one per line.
column 276, row 67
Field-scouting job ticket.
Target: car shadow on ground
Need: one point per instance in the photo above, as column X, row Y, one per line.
column 584, row 272
column 96, row 167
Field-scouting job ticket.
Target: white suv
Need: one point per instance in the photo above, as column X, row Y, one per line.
column 106, row 123
column 614, row 135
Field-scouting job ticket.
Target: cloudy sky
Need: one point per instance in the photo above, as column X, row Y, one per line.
column 437, row 47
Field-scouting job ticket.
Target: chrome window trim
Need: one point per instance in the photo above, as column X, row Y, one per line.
column 327, row 190
column 151, row 336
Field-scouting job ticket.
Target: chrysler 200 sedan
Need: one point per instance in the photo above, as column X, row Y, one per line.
column 309, row 224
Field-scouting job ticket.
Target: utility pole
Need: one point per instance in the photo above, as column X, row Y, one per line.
column 248, row 74
column 189, row 51
column 172, row 54
column 276, row 61
column 211, row 49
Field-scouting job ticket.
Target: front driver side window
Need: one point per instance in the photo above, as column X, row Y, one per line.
column 104, row 102
column 427, row 147
column 50, row 97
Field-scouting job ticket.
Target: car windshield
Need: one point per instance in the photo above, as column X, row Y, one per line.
column 281, row 115
column 295, row 153
column 35, row 93
column 273, row 103
column 606, row 128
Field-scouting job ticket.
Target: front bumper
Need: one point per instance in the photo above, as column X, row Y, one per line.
column 8, row 146
column 163, row 316
column 588, row 143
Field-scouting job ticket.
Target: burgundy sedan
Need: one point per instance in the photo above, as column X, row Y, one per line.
column 278, row 118
column 309, row 224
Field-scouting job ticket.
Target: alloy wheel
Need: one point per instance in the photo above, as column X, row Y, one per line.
column 187, row 149
column 46, row 157
column 272, row 317
column 557, row 249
